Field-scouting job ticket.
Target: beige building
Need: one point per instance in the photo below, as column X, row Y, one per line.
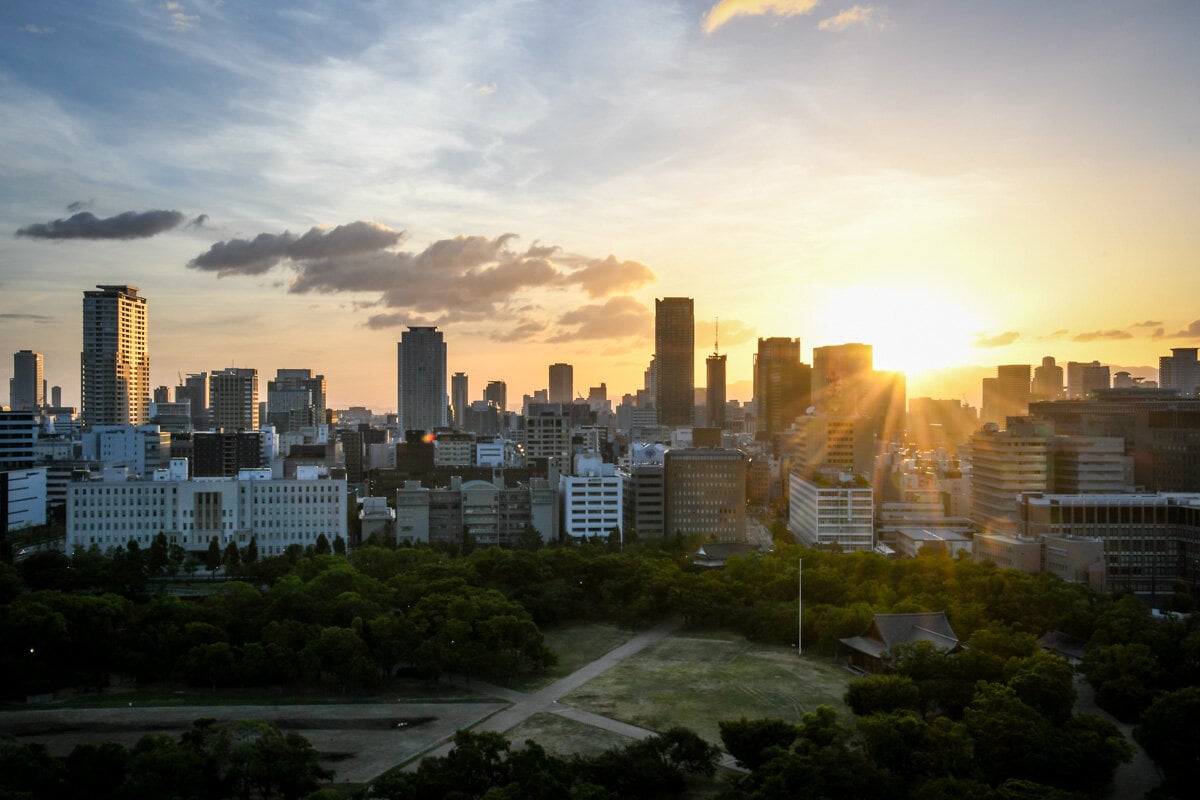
column 705, row 492
column 115, row 362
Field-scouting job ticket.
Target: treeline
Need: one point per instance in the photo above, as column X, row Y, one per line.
column 349, row 622
column 212, row 761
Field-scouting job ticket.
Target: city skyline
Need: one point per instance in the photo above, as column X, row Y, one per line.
column 958, row 185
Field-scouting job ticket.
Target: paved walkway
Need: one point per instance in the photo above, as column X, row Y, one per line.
column 1134, row 778
column 545, row 700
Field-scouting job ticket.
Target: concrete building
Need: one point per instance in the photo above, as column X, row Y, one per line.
column 548, row 433
column 911, row 542
column 844, row 444
column 782, row 384
column 1180, row 371
column 591, row 499
column 1161, row 432
column 705, row 493
column 18, row 436
column 1004, row 464
column 23, row 498
column 421, row 398
column 233, row 399
column 295, row 399
column 115, row 362
column 714, row 397
column 674, row 359
column 194, row 390
column 224, row 454
column 1085, row 378
column 835, row 373
column 829, row 509
column 276, row 513
column 1088, row 465
column 141, row 449
column 496, row 394
column 377, row 520
column 453, row 448
column 26, row 388
column 459, row 398
column 562, row 383
column 1048, row 380
column 489, row 512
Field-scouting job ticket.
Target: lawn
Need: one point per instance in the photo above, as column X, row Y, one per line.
column 564, row 737
column 696, row 679
column 575, row 646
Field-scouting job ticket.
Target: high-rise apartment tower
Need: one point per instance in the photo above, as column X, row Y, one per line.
column 114, row 367
column 674, row 359
column 421, row 400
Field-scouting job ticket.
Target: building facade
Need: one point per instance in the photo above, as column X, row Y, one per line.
column 421, row 400
column 831, row 510
column 674, row 359
column 561, row 383
column 782, row 384
column 27, row 388
column 114, row 377
column 190, row 512
column 705, row 490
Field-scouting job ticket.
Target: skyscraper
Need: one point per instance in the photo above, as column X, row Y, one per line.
column 295, row 399
column 114, row 374
column 459, row 398
column 837, row 371
column 421, row 401
column 1048, row 380
column 233, row 399
column 1180, row 370
column 26, row 390
column 674, row 359
column 496, row 393
column 562, row 383
column 782, row 384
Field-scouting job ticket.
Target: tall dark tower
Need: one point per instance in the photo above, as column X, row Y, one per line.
column 675, row 359
column 782, row 384
column 715, row 394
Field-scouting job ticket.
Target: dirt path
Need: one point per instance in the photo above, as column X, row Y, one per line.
column 1136, row 777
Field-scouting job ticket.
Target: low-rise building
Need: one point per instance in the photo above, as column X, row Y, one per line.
column 832, row 510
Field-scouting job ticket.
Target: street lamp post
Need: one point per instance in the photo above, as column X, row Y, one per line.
column 799, row 607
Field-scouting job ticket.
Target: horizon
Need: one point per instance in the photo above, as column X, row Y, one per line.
column 958, row 185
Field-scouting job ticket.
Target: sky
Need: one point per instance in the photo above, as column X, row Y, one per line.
column 960, row 184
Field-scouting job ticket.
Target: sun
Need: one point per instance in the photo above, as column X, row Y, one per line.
column 912, row 329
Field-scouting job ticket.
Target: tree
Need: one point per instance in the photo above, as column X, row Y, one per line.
column 876, row 694
column 1167, row 732
column 158, row 555
column 251, row 551
column 748, row 740
column 322, row 546
column 212, row 561
column 339, row 546
column 232, row 559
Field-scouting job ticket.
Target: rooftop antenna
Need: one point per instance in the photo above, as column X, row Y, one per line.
column 716, row 335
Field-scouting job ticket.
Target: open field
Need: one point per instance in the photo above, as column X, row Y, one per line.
column 697, row 679
column 575, row 646
column 564, row 737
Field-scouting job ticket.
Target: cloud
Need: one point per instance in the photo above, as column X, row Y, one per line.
column 726, row 10
column 198, row 222
column 463, row 279
column 855, row 15
column 1092, row 336
column 1190, row 332
column 621, row 317
column 78, row 205
column 1060, row 332
column 732, row 332
column 180, row 19
column 1150, row 323
column 85, row 225
column 37, row 30
column 524, row 329
column 38, row 318
column 1000, row 340
column 256, row 256
column 601, row 277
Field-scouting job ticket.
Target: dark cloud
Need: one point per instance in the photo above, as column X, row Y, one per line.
column 1092, row 336
column 1060, row 332
column 463, row 279
column 621, row 317
column 38, row 318
column 1158, row 333
column 999, row 340
column 199, row 221
column 86, row 225
column 258, row 255
column 78, row 205
column 1190, row 332
column 1150, row 323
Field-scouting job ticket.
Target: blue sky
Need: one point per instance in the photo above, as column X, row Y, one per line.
column 957, row 182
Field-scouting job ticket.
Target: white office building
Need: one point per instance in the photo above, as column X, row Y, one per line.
column 591, row 498
column 832, row 509
column 276, row 512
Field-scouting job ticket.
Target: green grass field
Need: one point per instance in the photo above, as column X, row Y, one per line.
column 698, row 679
column 575, row 646
column 564, row 737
